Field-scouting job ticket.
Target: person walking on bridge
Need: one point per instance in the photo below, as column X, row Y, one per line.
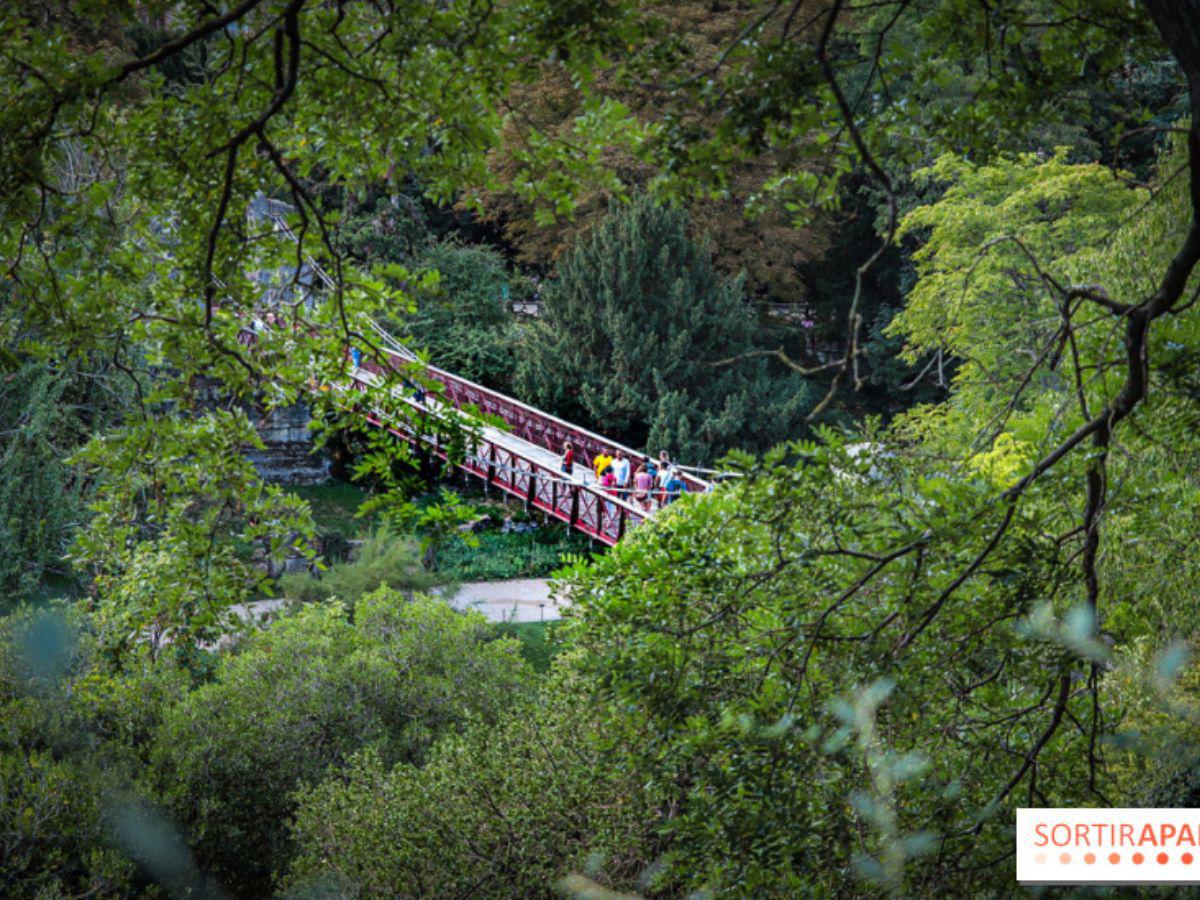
column 608, row 484
column 568, row 458
column 602, row 463
column 621, row 472
column 663, row 471
column 673, row 487
column 643, row 483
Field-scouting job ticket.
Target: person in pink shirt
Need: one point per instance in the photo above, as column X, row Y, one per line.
column 643, row 483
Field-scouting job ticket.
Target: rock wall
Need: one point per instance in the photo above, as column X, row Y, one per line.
column 289, row 457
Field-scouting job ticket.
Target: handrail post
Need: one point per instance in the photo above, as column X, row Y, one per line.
column 599, row 514
column 529, row 494
column 574, row 504
column 621, row 524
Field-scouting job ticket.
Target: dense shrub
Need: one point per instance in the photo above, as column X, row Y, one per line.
column 382, row 559
column 57, row 782
column 500, row 811
column 307, row 694
column 55, row 839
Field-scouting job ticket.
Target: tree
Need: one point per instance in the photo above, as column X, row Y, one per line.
column 301, row 698
column 893, row 635
column 177, row 506
column 126, row 177
column 754, row 238
column 465, row 321
column 633, row 336
column 860, row 656
column 501, row 810
column 49, row 415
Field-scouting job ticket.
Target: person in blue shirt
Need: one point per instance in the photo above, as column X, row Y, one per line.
column 673, row 487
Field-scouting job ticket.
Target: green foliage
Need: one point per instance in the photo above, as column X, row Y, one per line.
column 440, row 525
column 58, row 780
column 795, row 702
column 466, row 321
column 125, row 181
column 48, row 414
column 539, row 645
column 381, row 559
column 861, row 651
column 175, row 503
column 499, row 811
column 335, row 507
column 640, row 337
column 53, row 816
column 384, row 225
column 304, row 696
column 806, row 637
column 39, row 498
column 998, row 241
column 496, row 556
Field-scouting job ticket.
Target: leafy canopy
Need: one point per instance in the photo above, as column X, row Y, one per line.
column 642, row 337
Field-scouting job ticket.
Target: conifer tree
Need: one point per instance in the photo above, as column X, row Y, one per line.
column 630, row 330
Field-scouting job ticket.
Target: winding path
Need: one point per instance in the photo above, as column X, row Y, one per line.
column 515, row 600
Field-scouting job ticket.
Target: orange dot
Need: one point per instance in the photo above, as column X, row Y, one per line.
column 1089, row 858
column 1065, row 858
column 1040, row 858
column 1114, row 858
column 1187, row 859
column 1138, row 859
column 1162, row 859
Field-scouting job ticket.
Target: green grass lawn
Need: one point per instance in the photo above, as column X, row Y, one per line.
column 334, row 505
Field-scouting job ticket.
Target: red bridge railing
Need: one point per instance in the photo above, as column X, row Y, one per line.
column 501, row 463
column 537, row 427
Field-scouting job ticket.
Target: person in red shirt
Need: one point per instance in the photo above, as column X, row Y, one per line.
column 568, row 458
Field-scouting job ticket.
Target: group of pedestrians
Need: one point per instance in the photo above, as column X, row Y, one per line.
column 652, row 484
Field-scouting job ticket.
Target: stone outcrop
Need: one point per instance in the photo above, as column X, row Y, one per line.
column 289, row 457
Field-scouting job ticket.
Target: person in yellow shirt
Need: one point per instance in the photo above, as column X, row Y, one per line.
column 601, row 462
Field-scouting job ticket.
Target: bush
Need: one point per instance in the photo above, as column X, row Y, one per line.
column 499, row 556
column 382, row 559
column 56, row 841
column 305, row 695
column 56, row 782
column 501, row 811
column 538, row 643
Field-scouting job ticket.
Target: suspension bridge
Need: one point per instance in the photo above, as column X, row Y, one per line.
column 521, row 457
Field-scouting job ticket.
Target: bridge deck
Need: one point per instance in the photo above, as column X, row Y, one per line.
column 491, row 434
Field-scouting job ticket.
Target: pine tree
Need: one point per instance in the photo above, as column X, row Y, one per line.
column 629, row 333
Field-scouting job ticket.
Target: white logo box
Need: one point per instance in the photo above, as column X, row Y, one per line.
column 1108, row 846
